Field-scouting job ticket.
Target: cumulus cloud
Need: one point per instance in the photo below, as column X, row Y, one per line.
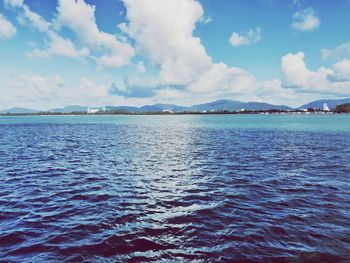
column 342, row 51
column 7, row 30
column 183, row 61
column 163, row 31
column 25, row 91
column 59, row 46
column 305, row 20
column 321, row 81
column 45, row 87
column 342, row 70
column 221, row 79
column 36, row 20
column 298, row 75
column 92, row 90
column 79, row 17
column 242, row 39
column 44, row 91
column 28, row 16
column 273, row 91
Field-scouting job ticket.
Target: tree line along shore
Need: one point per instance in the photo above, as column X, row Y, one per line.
column 343, row 108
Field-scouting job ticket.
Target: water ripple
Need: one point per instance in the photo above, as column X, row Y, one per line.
column 172, row 192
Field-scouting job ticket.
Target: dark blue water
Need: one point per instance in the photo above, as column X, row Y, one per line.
column 175, row 188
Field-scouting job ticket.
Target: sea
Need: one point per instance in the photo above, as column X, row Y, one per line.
column 175, row 188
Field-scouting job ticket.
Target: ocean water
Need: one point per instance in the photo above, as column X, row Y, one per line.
column 223, row 188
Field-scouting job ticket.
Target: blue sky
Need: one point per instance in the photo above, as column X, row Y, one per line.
column 134, row 52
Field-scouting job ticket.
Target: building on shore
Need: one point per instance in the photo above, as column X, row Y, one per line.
column 93, row 110
column 325, row 107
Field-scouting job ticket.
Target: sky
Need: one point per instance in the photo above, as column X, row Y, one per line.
column 55, row 53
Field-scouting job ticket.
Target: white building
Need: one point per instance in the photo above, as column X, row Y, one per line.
column 325, row 107
column 95, row 110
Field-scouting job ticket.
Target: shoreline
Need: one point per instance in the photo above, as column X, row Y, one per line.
column 169, row 114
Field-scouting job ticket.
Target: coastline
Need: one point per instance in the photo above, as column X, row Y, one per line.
column 172, row 113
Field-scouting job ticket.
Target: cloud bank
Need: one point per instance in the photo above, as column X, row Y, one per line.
column 169, row 61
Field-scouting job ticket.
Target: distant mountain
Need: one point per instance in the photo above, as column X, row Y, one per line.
column 319, row 103
column 122, row 108
column 229, row 105
column 70, row 108
column 233, row 105
column 18, row 110
column 161, row 107
column 219, row 105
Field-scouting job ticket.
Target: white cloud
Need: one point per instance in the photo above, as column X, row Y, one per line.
column 238, row 40
column 342, row 51
column 25, row 91
column 224, row 80
column 322, row 81
column 241, row 39
column 342, row 70
column 79, row 17
column 115, row 61
column 298, row 75
column 45, row 92
column 163, row 31
column 28, row 16
column 182, row 59
column 170, row 94
column 141, row 67
column 205, row 20
column 305, row 20
column 35, row 19
column 58, row 46
column 44, row 87
column 13, row 3
column 91, row 90
column 272, row 91
column 7, row 30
